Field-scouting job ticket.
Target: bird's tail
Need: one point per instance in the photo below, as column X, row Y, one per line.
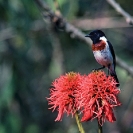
column 115, row 77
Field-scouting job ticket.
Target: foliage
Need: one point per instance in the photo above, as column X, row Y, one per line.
column 31, row 51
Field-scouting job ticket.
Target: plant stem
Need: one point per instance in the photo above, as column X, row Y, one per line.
column 99, row 128
column 81, row 129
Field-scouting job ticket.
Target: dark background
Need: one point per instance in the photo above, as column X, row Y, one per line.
column 33, row 54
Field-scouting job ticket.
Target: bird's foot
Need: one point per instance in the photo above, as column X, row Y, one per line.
column 94, row 70
column 97, row 69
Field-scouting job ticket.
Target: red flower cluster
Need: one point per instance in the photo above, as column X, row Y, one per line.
column 94, row 95
column 62, row 94
column 97, row 96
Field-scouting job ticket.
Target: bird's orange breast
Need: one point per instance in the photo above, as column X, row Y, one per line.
column 99, row 46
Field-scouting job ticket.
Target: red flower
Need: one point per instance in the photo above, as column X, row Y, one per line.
column 62, row 94
column 97, row 96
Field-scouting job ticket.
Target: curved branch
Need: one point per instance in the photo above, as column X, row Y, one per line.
column 118, row 8
column 76, row 33
column 123, row 65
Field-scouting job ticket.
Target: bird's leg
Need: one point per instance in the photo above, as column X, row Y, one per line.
column 109, row 69
column 108, row 72
column 99, row 68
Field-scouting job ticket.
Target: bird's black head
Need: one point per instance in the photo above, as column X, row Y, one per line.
column 95, row 35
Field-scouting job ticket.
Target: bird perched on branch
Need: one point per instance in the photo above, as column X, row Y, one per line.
column 103, row 52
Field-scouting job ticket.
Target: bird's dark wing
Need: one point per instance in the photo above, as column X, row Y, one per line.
column 113, row 53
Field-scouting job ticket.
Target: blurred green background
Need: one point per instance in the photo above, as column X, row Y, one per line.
column 33, row 54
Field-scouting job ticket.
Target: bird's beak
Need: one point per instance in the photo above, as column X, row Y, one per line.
column 88, row 35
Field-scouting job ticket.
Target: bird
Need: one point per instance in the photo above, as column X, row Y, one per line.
column 103, row 52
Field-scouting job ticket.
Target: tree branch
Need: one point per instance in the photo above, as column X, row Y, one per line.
column 100, row 23
column 7, row 34
column 118, row 8
column 125, row 66
column 76, row 33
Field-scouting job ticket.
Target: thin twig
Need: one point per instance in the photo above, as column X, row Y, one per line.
column 100, row 130
column 7, row 34
column 76, row 33
column 81, row 129
column 57, row 58
column 119, row 9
